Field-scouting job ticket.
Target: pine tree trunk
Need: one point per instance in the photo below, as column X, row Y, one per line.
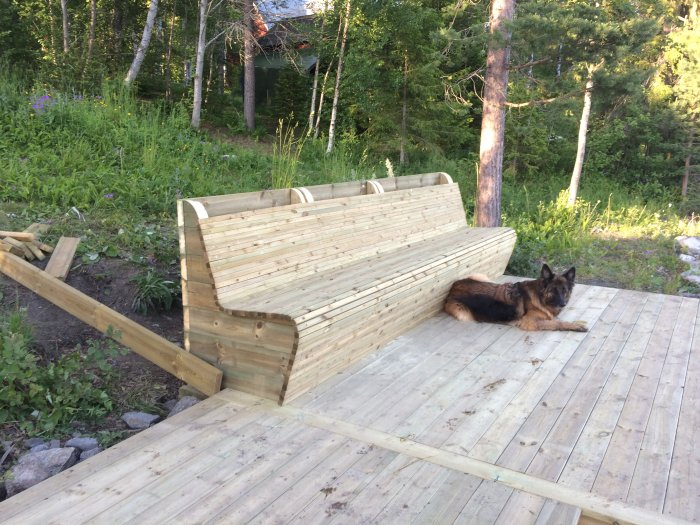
column 64, row 17
column 493, row 120
column 199, row 66
column 688, row 160
column 338, row 73
column 248, row 66
column 404, row 113
column 582, row 134
column 143, row 46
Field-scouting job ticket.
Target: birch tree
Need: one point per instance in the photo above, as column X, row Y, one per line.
column 582, row 135
column 143, row 46
column 488, row 198
column 199, row 66
column 64, row 17
column 91, row 35
column 338, row 75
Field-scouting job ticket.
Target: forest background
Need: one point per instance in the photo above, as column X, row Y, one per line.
column 402, row 83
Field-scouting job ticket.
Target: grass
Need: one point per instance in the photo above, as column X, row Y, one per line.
column 109, row 169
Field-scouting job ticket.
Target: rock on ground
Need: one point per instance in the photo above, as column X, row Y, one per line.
column 183, row 404
column 688, row 245
column 82, row 443
column 139, row 420
column 89, row 453
column 34, row 467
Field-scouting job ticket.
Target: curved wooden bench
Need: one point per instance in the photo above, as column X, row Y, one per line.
column 282, row 297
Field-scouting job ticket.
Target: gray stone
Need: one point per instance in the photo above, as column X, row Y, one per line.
column 691, row 276
column 82, row 443
column 54, row 443
column 689, row 259
column 170, row 404
column 139, row 420
column 89, row 453
column 688, row 245
column 39, row 448
column 34, row 442
column 35, row 467
column 183, row 404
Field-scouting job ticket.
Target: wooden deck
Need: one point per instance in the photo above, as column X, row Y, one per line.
column 449, row 423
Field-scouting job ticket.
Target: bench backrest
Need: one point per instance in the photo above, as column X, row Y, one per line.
column 253, row 250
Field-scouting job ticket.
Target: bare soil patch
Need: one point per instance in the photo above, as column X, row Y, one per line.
column 141, row 385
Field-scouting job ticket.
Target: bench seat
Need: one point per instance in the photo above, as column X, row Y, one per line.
column 345, row 275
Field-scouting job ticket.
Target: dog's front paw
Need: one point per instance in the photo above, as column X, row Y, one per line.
column 580, row 326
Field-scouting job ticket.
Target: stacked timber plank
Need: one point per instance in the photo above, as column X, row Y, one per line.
column 285, row 295
column 26, row 244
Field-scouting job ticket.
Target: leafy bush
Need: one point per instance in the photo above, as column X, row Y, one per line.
column 154, row 292
column 42, row 396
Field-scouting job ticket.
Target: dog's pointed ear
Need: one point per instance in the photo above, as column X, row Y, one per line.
column 546, row 273
column 570, row 274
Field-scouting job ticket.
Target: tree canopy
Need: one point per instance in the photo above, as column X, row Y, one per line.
column 412, row 79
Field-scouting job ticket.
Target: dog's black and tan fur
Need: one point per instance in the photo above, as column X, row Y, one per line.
column 530, row 305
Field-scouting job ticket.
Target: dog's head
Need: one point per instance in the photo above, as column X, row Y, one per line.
column 556, row 289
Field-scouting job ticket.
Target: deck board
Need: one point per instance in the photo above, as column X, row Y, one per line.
column 448, row 423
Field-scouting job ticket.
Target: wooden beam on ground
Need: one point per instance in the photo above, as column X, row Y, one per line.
column 170, row 357
column 62, row 257
column 7, row 247
column 26, row 252
column 37, row 228
column 20, row 236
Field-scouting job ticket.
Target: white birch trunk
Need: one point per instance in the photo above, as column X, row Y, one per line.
column 314, row 91
column 338, row 74
column 91, row 36
column 199, row 66
column 64, row 16
column 168, row 56
column 582, row 135
column 143, row 46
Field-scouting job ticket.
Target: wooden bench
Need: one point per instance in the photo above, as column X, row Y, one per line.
column 284, row 288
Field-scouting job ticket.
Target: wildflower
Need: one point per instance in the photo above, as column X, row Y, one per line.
column 108, row 195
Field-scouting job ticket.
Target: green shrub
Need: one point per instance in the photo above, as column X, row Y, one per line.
column 43, row 396
column 154, row 292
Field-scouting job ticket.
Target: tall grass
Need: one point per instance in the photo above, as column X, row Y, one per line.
column 127, row 161
column 108, row 150
column 286, row 154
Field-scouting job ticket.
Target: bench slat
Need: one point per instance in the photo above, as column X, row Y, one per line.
column 302, row 290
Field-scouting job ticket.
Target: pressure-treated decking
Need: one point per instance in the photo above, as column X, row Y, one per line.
column 463, row 423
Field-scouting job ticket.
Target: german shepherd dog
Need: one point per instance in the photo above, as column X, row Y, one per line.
column 529, row 305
